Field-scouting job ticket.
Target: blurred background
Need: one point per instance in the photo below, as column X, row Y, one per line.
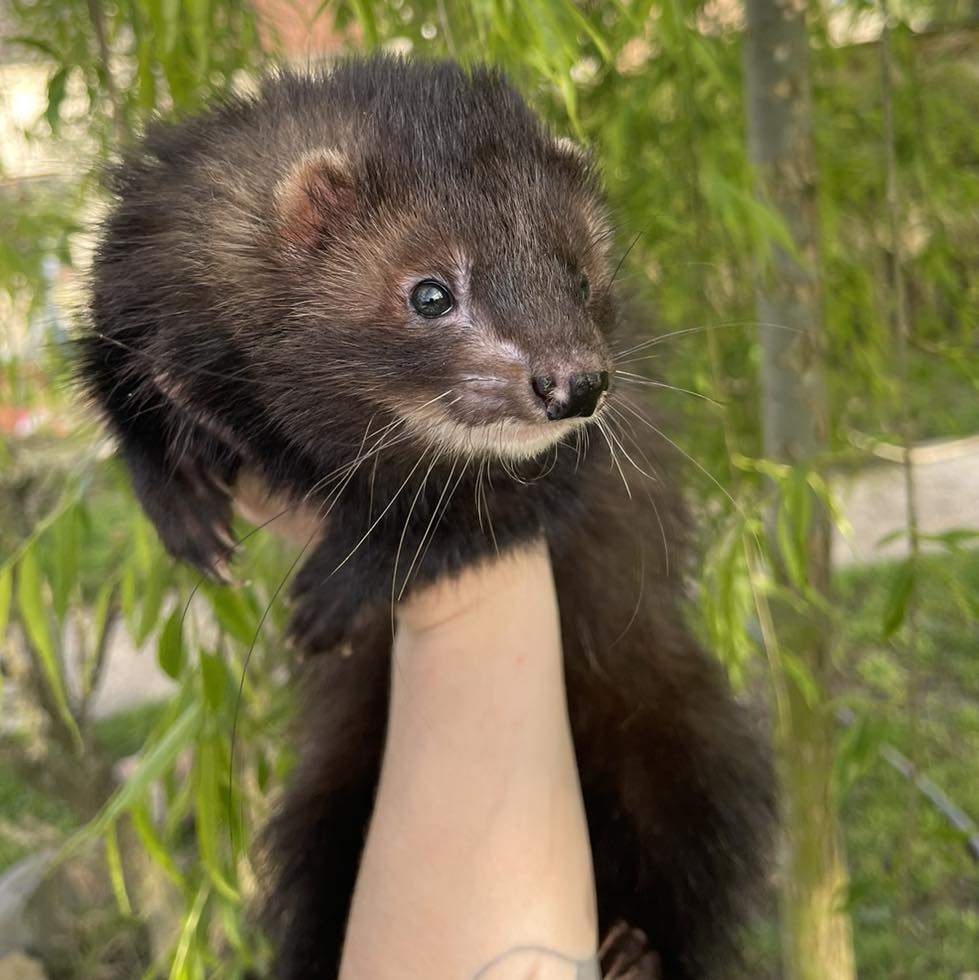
column 796, row 191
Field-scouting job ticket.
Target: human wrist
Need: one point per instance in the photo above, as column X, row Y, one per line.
column 508, row 585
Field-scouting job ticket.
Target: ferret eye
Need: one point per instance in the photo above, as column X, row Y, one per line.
column 431, row 299
column 584, row 287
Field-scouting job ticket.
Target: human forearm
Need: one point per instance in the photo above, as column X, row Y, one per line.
column 478, row 843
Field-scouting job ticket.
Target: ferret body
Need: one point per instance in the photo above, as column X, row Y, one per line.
column 387, row 289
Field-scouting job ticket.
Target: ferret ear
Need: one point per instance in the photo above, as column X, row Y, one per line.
column 316, row 197
column 570, row 152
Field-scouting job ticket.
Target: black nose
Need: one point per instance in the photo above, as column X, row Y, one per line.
column 572, row 397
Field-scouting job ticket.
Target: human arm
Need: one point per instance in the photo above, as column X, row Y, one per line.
column 477, row 862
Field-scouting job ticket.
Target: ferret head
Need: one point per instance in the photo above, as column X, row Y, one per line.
column 449, row 267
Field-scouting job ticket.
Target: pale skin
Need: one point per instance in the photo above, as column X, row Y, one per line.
column 478, row 845
column 477, row 862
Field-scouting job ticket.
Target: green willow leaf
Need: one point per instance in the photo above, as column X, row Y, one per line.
column 154, row 846
column 184, row 951
column 585, row 23
column 116, row 876
column 56, row 95
column 801, row 676
column 65, row 540
column 210, row 816
column 364, row 12
column 898, row 598
column 6, row 592
column 154, row 588
column 155, row 761
column 233, row 613
column 38, row 44
column 170, row 648
column 34, row 615
column 214, row 676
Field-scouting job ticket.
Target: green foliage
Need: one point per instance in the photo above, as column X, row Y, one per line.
column 183, row 775
column 940, row 939
column 165, row 54
column 942, row 935
column 654, row 89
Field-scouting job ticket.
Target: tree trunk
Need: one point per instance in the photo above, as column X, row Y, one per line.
column 817, row 942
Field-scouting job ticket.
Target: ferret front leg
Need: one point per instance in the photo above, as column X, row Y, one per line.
column 190, row 505
column 183, row 489
column 341, row 584
column 357, row 571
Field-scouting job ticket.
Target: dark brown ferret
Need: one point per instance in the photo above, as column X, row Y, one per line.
column 388, row 290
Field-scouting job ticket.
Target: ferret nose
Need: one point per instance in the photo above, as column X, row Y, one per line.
column 573, row 397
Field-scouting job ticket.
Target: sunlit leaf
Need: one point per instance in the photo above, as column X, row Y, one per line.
column 154, row 589
column 6, row 591
column 34, row 615
column 898, row 597
column 56, row 95
column 116, row 876
column 170, row 647
column 232, row 612
column 214, row 675
column 211, row 817
column 155, row 761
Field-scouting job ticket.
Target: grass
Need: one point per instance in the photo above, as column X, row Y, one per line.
column 29, row 819
column 914, row 895
column 915, row 888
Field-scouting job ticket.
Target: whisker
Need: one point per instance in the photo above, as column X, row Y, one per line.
column 639, row 380
column 488, row 477
column 322, row 514
column 702, row 328
column 441, row 514
column 380, row 516
column 615, row 460
column 635, row 465
column 710, row 476
column 638, row 605
column 642, row 231
column 649, row 496
column 404, row 531
column 428, row 528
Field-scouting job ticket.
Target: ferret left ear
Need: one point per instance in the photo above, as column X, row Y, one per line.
column 316, row 197
column 568, row 151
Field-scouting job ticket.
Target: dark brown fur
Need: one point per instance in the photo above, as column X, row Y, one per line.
column 250, row 308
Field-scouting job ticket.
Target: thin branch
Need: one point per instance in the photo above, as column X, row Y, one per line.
column 902, row 332
column 97, row 16
column 929, row 789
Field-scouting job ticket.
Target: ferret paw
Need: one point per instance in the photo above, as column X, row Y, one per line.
column 192, row 514
column 625, row 955
column 321, row 621
column 330, row 604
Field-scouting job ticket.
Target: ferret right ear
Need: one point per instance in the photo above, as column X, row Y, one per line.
column 316, row 196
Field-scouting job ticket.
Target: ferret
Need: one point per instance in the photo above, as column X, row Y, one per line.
column 390, row 290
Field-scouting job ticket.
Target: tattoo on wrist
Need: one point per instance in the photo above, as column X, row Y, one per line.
column 534, row 955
